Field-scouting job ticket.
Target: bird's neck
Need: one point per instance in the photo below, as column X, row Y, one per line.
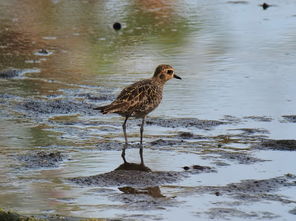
column 158, row 81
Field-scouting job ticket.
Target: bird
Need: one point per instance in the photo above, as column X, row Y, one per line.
column 139, row 99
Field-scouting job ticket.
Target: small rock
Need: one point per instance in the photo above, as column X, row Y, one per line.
column 290, row 118
column 217, row 193
column 43, row 51
column 41, row 159
column 116, row 26
column 265, row 6
column 186, row 168
column 186, row 134
column 293, row 211
column 10, row 73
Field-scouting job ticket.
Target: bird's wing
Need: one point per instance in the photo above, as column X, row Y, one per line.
column 137, row 93
column 138, row 97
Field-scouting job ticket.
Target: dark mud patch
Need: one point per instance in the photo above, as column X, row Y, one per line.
column 133, row 166
column 238, row 2
column 293, row 211
column 230, row 213
column 259, row 118
column 43, row 52
column 231, row 119
column 285, row 145
column 185, row 122
column 95, row 97
column 135, row 175
column 156, row 144
column 189, row 135
column 241, row 140
column 237, row 157
column 261, row 186
column 114, row 145
column 129, row 178
column 290, row 118
column 7, row 98
column 41, row 159
column 151, row 191
column 251, row 131
column 162, row 142
column 143, row 199
column 199, row 169
column 56, row 106
column 254, row 190
column 12, row 73
column 13, row 216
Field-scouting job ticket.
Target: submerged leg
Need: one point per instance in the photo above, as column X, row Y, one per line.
column 125, row 137
column 141, row 140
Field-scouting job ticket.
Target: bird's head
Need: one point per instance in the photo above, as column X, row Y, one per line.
column 165, row 72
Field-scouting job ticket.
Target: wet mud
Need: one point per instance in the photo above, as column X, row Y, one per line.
column 141, row 188
column 238, row 2
column 162, row 142
column 250, row 131
column 131, row 174
column 259, row 118
column 13, row 216
column 56, row 106
column 293, row 211
column 13, row 73
column 151, row 191
column 284, row 145
column 185, row 123
column 240, row 157
column 212, row 167
column 10, row 73
column 253, row 190
column 115, row 145
column 41, row 159
column 199, row 169
column 230, row 213
column 290, row 118
column 244, row 193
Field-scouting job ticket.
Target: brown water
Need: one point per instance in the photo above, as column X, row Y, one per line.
column 235, row 59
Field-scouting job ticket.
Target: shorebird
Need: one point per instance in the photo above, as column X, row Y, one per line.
column 139, row 99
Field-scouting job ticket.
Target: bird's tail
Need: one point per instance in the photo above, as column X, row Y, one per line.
column 110, row 108
column 102, row 109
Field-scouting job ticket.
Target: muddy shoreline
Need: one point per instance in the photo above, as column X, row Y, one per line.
column 139, row 186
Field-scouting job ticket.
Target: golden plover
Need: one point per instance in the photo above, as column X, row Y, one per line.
column 139, row 99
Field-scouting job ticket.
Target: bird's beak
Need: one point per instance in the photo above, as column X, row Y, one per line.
column 176, row 76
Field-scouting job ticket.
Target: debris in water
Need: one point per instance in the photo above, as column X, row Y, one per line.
column 117, row 26
column 265, row 6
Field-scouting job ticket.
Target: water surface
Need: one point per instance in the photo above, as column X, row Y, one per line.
column 235, row 58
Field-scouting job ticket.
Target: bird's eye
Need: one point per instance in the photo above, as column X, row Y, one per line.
column 170, row 71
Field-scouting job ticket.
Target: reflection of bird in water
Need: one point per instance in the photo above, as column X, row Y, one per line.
column 153, row 190
column 139, row 99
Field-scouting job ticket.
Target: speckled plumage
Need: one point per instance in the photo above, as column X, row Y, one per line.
column 136, row 100
column 140, row 98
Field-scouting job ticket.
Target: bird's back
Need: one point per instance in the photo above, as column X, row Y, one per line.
column 136, row 100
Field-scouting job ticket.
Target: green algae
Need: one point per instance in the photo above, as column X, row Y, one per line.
column 13, row 216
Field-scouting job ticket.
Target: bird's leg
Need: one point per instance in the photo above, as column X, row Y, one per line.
column 125, row 137
column 141, row 140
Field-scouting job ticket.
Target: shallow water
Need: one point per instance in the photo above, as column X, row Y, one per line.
column 237, row 63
